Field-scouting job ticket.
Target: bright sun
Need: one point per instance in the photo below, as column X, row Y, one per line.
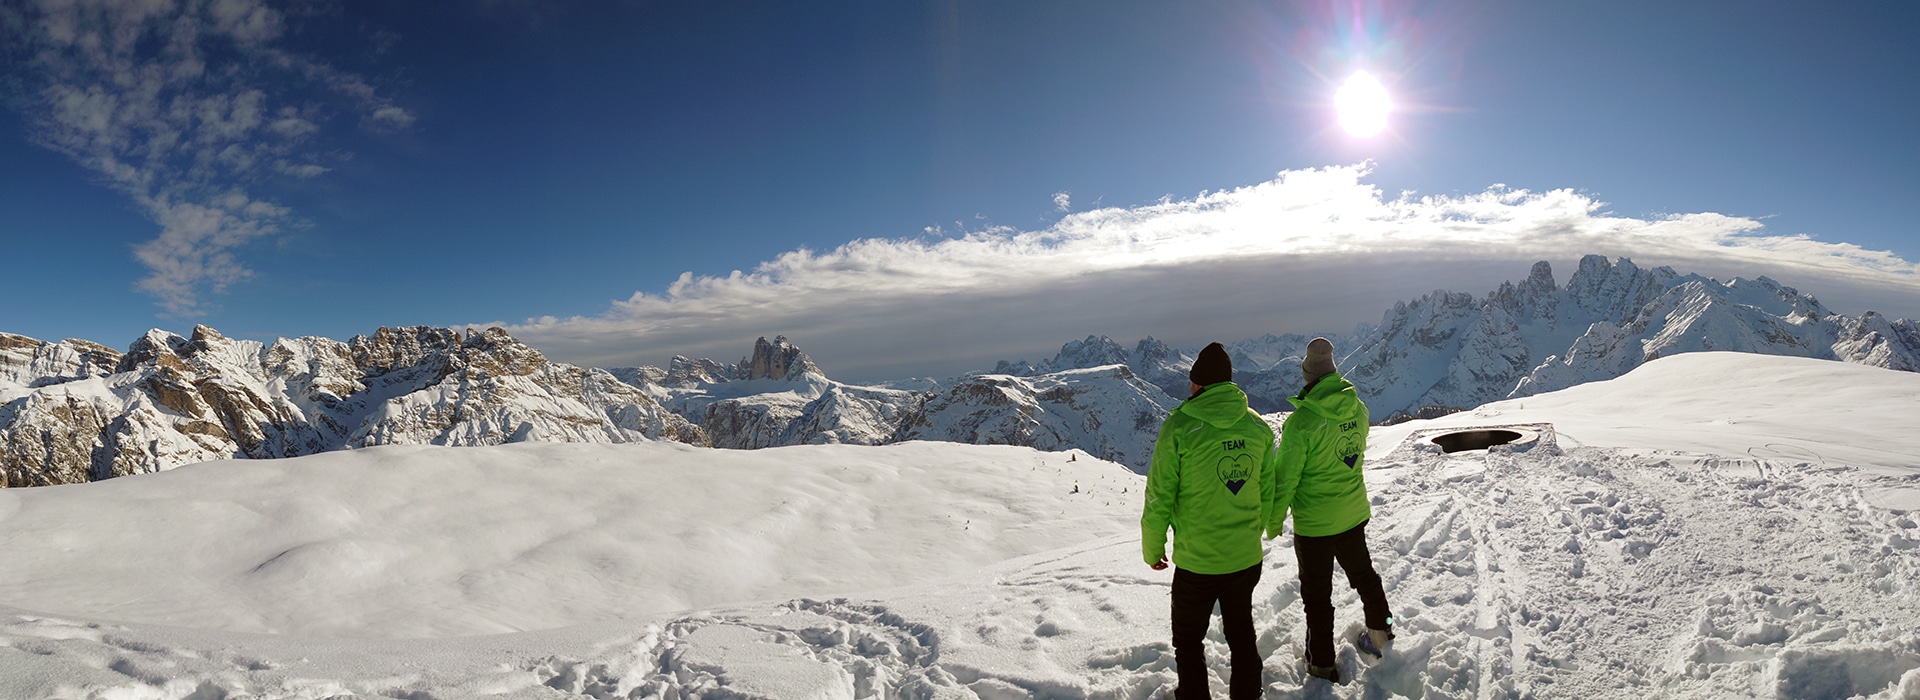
column 1363, row 105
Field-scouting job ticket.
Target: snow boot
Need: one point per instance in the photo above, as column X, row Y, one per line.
column 1373, row 641
column 1330, row 673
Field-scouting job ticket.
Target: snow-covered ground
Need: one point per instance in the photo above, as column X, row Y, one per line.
column 1710, row 525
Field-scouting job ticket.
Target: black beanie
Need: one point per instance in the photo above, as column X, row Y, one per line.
column 1212, row 367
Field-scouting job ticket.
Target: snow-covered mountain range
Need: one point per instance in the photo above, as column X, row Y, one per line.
column 1446, row 352
column 77, row 411
column 777, row 396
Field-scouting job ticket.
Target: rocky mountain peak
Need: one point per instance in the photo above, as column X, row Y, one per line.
column 1592, row 269
column 204, row 334
column 1095, row 351
column 1534, row 296
column 406, row 346
column 685, row 372
column 496, row 352
column 33, row 362
column 206, row 346
column 1617, row 290
column 1776, row 298
column 1539, row 282
column 9, row 341
column 156, row 348
column 1151, row 351
column 777, row 360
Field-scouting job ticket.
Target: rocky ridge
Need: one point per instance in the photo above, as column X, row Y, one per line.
column 66, row 417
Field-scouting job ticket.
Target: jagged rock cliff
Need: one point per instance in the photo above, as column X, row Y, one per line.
column 75, row 411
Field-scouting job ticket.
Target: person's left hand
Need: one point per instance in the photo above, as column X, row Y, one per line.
column 1159, row 565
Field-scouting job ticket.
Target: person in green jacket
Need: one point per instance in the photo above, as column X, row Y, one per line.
column 1212, row 481
column 1323, row 446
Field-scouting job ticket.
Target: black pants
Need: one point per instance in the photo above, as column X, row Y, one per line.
column 1317, row 555
column 1193, row 599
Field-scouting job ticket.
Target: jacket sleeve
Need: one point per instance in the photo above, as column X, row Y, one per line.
column 1163, row 489
column 1270, row 488
column 1290, row 457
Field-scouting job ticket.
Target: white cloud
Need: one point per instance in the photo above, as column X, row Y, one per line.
column 300, row 170
column 245, row 20
column 195, row 247
column 390, row 117
column 1062, row 201
column 1310, row 251
column 291, row 125
column 125, row 88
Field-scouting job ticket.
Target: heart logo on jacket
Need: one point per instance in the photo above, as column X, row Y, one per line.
column 1234, row 471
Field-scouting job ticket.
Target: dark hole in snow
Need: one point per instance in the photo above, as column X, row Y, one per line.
column 1474, row 439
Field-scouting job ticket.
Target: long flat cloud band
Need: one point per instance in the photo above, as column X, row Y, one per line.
column 1311, row 250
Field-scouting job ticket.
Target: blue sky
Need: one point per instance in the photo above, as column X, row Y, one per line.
column 924, row 187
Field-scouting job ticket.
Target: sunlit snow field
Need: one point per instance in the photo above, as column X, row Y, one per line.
column 1710, row 525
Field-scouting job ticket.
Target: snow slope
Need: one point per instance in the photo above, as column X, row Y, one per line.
column 418, row 541
column 1710, row 525
column 1783, row 409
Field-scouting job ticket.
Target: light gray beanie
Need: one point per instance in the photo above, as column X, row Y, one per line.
column 1319, row 362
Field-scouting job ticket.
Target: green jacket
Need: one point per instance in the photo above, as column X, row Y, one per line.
column 1212, row 481
column 1323, row 445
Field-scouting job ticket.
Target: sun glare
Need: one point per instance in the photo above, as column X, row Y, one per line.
column 1363, row 105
